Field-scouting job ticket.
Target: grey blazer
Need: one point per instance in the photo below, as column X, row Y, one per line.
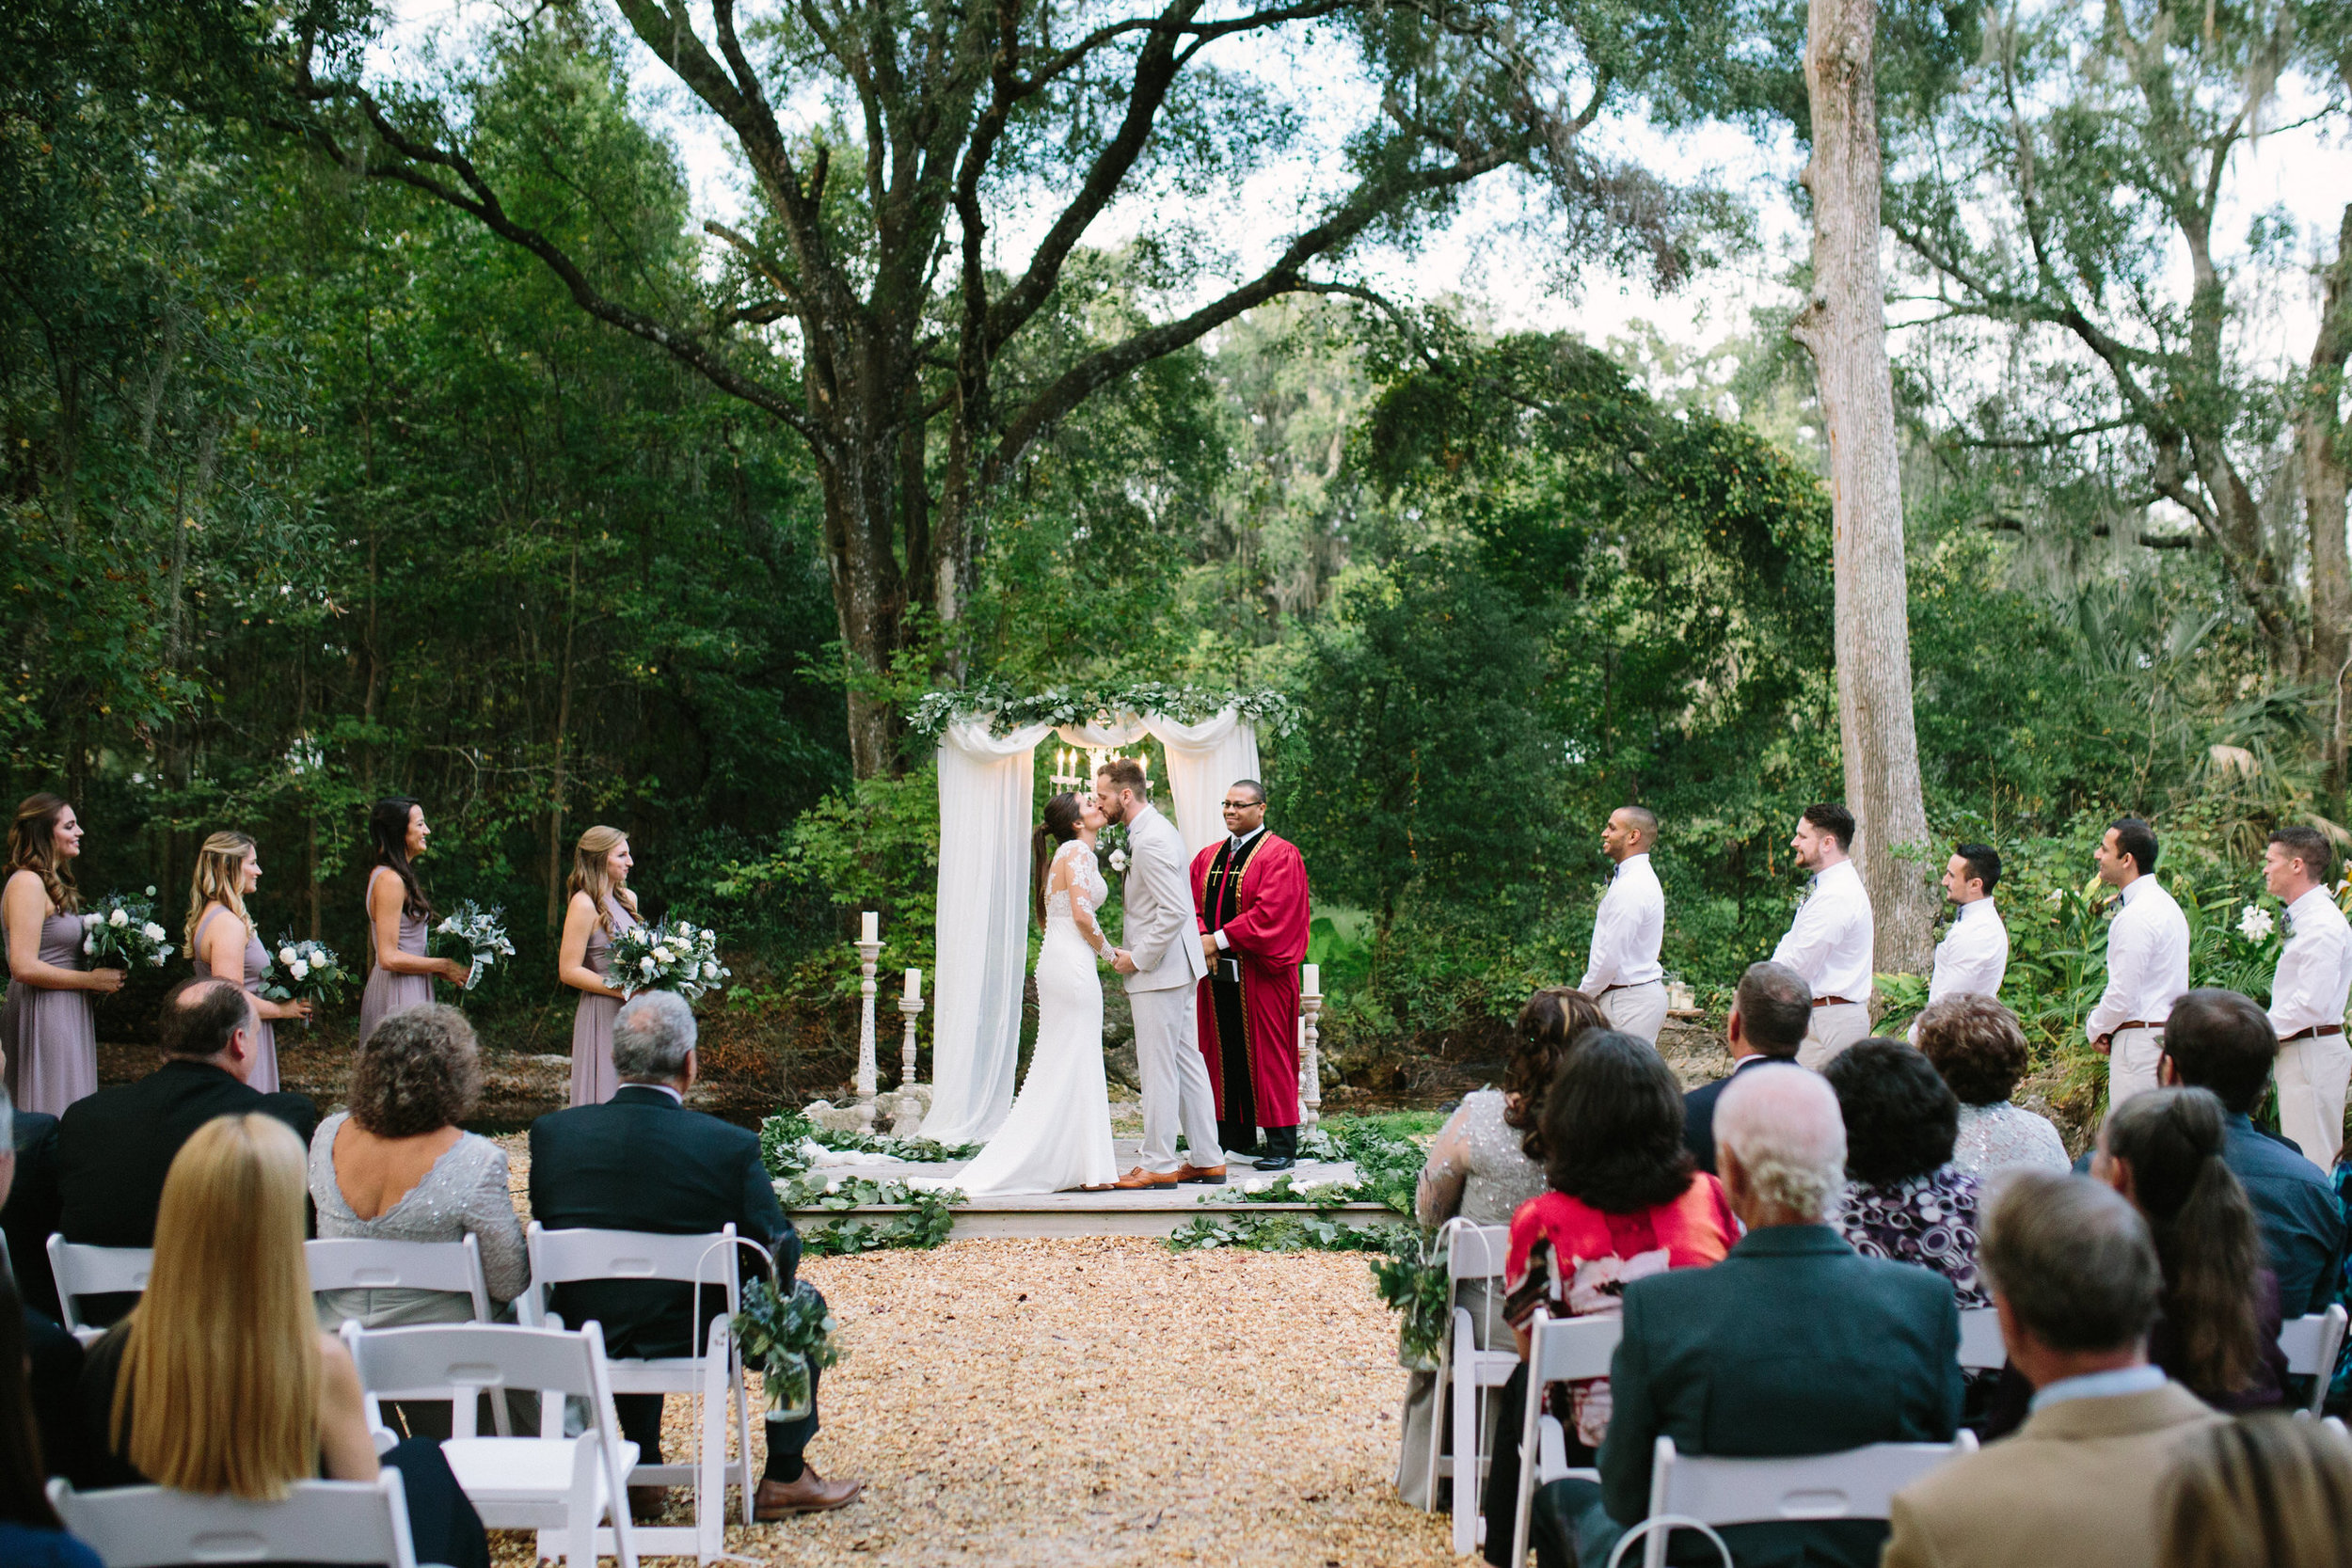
column 1160, row 930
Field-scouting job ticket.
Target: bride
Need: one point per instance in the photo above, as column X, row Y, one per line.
column 1057, row 1135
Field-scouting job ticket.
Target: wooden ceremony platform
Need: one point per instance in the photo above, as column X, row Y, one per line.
column 1153, row 1211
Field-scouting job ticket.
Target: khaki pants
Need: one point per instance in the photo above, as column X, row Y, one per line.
column 2132, row 1057
column 2312, row 1076
column 1637, row 1011
column 1835, row 1027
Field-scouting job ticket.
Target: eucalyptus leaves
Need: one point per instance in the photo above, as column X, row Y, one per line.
column 677, row 955
column 121, row 933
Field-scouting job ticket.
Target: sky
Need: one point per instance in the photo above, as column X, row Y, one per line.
column 1487, row 258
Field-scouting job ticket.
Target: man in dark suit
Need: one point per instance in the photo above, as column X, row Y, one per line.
column 643, row 1162
column 114, row 1148
column 1793, row 1345
column 1770, row 1014
column 52, row 1358
column 2219, row 1041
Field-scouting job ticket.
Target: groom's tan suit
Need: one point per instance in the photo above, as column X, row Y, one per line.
column 1162, row 937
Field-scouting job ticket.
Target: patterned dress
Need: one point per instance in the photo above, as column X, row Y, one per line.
column 1928, row 1220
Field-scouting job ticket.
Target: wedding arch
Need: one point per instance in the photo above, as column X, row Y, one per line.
column 987, row 743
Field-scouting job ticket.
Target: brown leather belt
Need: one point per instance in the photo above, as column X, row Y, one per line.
column 2135, row 1023
column 1835, row 1002
column 2314, row 1031
column 1628, row 985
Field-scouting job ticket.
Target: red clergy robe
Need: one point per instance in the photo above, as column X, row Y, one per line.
column 1264, row 921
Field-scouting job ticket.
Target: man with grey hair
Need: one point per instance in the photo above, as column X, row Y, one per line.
column 1793, row 1345
column 2076, row 1280
column 641, row 1160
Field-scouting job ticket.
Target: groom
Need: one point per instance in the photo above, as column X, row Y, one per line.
column 1164, row 966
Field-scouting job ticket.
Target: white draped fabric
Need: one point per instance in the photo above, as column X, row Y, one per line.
column 986, row 812
column 986, row 782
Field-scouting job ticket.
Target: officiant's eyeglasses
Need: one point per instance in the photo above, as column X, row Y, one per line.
column 1239, row 805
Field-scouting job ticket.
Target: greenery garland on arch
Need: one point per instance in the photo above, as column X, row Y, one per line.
column 1006, row 709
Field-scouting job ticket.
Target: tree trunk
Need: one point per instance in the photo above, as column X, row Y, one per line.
column 2326, row 476
column 1843, row 327
column 563, row 729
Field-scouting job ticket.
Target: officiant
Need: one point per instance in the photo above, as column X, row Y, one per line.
column 1250, row 894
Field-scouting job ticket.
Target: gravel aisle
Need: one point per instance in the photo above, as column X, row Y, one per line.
column 1106, row 1401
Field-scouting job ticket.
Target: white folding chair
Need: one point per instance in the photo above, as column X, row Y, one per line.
column 1981, row 1347
column 569, row 1256
column 365, row 1263
column 2312, row 1344
column 557, row 1485
column 95, row 1270
column 319, row 1521
column 1704, row 1492
column 1464, row 1373
column 1558, row 1350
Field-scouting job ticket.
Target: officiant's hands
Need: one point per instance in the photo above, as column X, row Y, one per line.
column 1123, row 961
column 1209, row 948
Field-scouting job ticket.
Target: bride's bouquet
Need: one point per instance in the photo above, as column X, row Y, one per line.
column 480, row 934
column 304, row 971
column 121, row 933
column 675, row 957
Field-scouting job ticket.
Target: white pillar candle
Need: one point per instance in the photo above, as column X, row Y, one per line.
column 915, row 985
column 1311, row 979
column 869, row 927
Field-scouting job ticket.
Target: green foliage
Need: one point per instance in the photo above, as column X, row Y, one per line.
column 771, row 1327
column 926, row 1221
column 782, row 1135
column 1418, row 1289
column 1284, row 1233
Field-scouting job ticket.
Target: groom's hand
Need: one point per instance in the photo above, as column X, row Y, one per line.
column 1123, row 961
column 1209, row 948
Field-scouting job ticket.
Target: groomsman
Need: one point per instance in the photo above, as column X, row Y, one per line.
column 1829, row 945
column 2147, row 962
column 1973, row 954
column 2308, row 995
column 1622, row 972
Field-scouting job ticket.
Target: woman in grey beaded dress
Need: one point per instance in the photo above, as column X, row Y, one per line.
column 1978, row 1048
column 397, row 1167
column 1483, row 1164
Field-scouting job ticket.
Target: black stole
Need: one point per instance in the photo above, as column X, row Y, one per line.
column 1237, row 1095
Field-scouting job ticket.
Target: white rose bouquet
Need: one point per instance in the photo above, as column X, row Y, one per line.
column 304, row 971
column 121, row 933
column 478, row 933
column 677, row 957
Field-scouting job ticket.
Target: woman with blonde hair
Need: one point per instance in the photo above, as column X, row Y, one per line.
column 600, row 908
column 220, row 1382
column 46, row 1030
column 2261, row 1492
column 228, row 869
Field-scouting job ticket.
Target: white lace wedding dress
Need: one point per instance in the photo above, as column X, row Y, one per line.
column 1057, row 1135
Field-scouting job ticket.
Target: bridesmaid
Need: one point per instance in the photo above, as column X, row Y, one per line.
column 601, row 906
column 228, row 870
column 45, row 1028
column 398, row 974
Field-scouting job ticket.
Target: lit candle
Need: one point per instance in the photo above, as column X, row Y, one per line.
column 869, row 927
column 915, row 985
column 1311, row 979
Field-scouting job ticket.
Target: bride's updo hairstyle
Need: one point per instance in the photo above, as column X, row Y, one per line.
column 1059, row 827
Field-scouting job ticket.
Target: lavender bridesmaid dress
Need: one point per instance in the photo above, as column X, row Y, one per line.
column 49, row 1036
column 593, row 1078
column 264, row 1074
column 387, row 992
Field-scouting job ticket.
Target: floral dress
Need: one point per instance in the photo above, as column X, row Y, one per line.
column 1928, row 1220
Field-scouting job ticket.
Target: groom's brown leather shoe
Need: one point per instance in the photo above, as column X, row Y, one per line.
column 1202, row 1176
column 1142, row 1178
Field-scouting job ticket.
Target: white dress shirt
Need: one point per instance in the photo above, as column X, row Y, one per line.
column 1627, row 929
column 1237, row 843
column 2315, row 970
column 2147, row 961
column 1830, row 941
column 1973, row 954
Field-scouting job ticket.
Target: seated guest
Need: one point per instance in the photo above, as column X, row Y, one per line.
column 2219, row 1041
column 1481, row 1169
column 50, row 1357
column 31, row 1534
column 643, row 1161
column 2266, row 1492
column 397, row 1167
column 2075, row 1279
column 219, row 1381
column 116, row 1146
column 1793, row 1345
column 1770, row 1011
column 1977, row 1045
column 28, row 1215
column 1905, row 1200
